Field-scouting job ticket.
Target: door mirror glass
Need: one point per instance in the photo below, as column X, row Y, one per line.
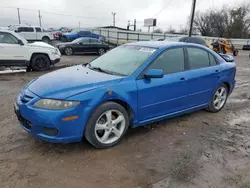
column 154, row 73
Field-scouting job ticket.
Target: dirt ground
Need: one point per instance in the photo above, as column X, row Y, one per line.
column 196, row 150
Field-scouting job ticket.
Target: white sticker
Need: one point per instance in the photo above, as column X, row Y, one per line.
column 149, row 50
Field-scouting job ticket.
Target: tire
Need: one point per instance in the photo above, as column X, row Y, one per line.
column 68, row 51
column 101, row 51
column 40, row 62
column 104, row 132
column 235, row 53
column 46, row 39
column 216, row 108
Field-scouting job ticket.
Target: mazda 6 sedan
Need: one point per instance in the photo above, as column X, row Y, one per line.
column 130, row 86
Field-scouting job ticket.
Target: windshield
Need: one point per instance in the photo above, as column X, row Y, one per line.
column 123, row 60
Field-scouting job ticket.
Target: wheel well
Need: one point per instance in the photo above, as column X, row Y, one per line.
column 228, row 86
column 35, row 54
column 126, row 106
column 46, row 37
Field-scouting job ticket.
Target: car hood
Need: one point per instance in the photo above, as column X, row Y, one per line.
column 64, row 44
column 70, row 81
column 40, row 44
column 69, row 34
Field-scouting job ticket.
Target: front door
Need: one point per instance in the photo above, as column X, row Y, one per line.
column 83, row 46
column 163, row 96
column 203, row 76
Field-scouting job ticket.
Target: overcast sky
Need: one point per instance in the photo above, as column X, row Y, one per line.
column 98, row 12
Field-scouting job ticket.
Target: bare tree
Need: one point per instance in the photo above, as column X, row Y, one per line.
column 158, row 30
column 226, row 22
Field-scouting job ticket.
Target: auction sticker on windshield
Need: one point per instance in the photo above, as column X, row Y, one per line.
column 149, row 50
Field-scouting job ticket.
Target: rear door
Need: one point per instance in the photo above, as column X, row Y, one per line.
column 203, row 75
column 12, row 53
column 95, row 45
column 162, row 96
column 27, row 32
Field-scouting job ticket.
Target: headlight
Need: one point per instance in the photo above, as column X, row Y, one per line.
column 56, row 52
column 62, row 46
column 55, row 104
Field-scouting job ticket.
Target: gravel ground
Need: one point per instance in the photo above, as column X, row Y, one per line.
column 195, row 150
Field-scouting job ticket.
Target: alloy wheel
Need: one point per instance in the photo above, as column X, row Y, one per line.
column 220, row 98
column 110, row 127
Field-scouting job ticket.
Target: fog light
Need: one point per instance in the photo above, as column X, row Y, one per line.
column 50, row 131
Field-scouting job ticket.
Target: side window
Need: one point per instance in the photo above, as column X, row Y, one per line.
column 29, row 29
column 93, row 41
column 170, row 61
column 85, row 41
column 38, row 29
column 21, row 29
column 212, row 60
column 198, row 58
column 8, row 38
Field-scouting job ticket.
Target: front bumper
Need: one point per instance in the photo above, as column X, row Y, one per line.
column 55, row 61
column 48, row 124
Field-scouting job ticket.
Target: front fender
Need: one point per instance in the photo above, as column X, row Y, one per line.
column 125, row 91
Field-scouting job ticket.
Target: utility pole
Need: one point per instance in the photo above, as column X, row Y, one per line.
column 192, row 18
column 113, row 13
column 18, row 14
column 40, row 18
column 134, row 24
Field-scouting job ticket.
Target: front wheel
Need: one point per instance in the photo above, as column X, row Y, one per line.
column 68, row 51
column 40, row 62
column 107, row 125
column 101, row 51
column 46, row 39
column 219, row 99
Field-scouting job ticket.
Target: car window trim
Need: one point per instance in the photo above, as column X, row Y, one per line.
column 216, row 61
column 189, row 61
column 141, row 75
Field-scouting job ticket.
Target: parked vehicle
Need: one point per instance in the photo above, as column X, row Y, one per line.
column 84, row 45
column 16, row 51
column 59, row 32
column 32, row 33
column 76, row 33
column 224, row 46
column 195, row 40
column 131, row 85
column 246, row 46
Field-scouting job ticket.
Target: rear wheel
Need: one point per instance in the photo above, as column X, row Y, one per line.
column 107, row 125
column 219, row 99
column 40, row 62
column 46, row 39
column 236, row 52
column 68, row 51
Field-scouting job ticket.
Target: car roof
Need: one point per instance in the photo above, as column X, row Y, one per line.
column 161, row 44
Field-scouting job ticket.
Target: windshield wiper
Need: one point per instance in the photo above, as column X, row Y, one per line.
column 99, row 69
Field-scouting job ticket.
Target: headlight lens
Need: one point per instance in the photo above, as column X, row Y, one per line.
column 62, row 46
column 55, row 104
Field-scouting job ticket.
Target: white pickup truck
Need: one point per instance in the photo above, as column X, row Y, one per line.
column 16, row 51
column 32, row 33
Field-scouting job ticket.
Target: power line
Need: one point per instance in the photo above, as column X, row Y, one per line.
column 163, row 8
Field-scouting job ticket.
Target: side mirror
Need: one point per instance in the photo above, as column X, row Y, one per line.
column 154, row 73
column 80, row 43
column 16, row 31
column 20, row 42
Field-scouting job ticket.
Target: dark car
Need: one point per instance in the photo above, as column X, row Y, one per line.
column 84, row 45
column 78, row 33
column 247, row 46
column 195, row 40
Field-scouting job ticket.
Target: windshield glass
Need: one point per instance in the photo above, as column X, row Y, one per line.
column 123, row 60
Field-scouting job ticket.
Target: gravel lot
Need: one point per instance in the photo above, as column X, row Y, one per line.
column 196, row 150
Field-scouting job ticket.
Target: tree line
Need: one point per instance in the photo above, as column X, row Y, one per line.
column 226, row 22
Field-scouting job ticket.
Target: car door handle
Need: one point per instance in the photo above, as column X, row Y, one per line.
column 182, row 79
column 217, row 71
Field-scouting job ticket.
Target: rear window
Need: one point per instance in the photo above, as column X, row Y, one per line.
column 198, row 58
column 38, row 29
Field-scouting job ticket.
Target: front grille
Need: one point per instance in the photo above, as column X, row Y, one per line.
column 27, row 96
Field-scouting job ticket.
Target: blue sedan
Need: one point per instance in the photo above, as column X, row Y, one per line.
column 132, row 85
